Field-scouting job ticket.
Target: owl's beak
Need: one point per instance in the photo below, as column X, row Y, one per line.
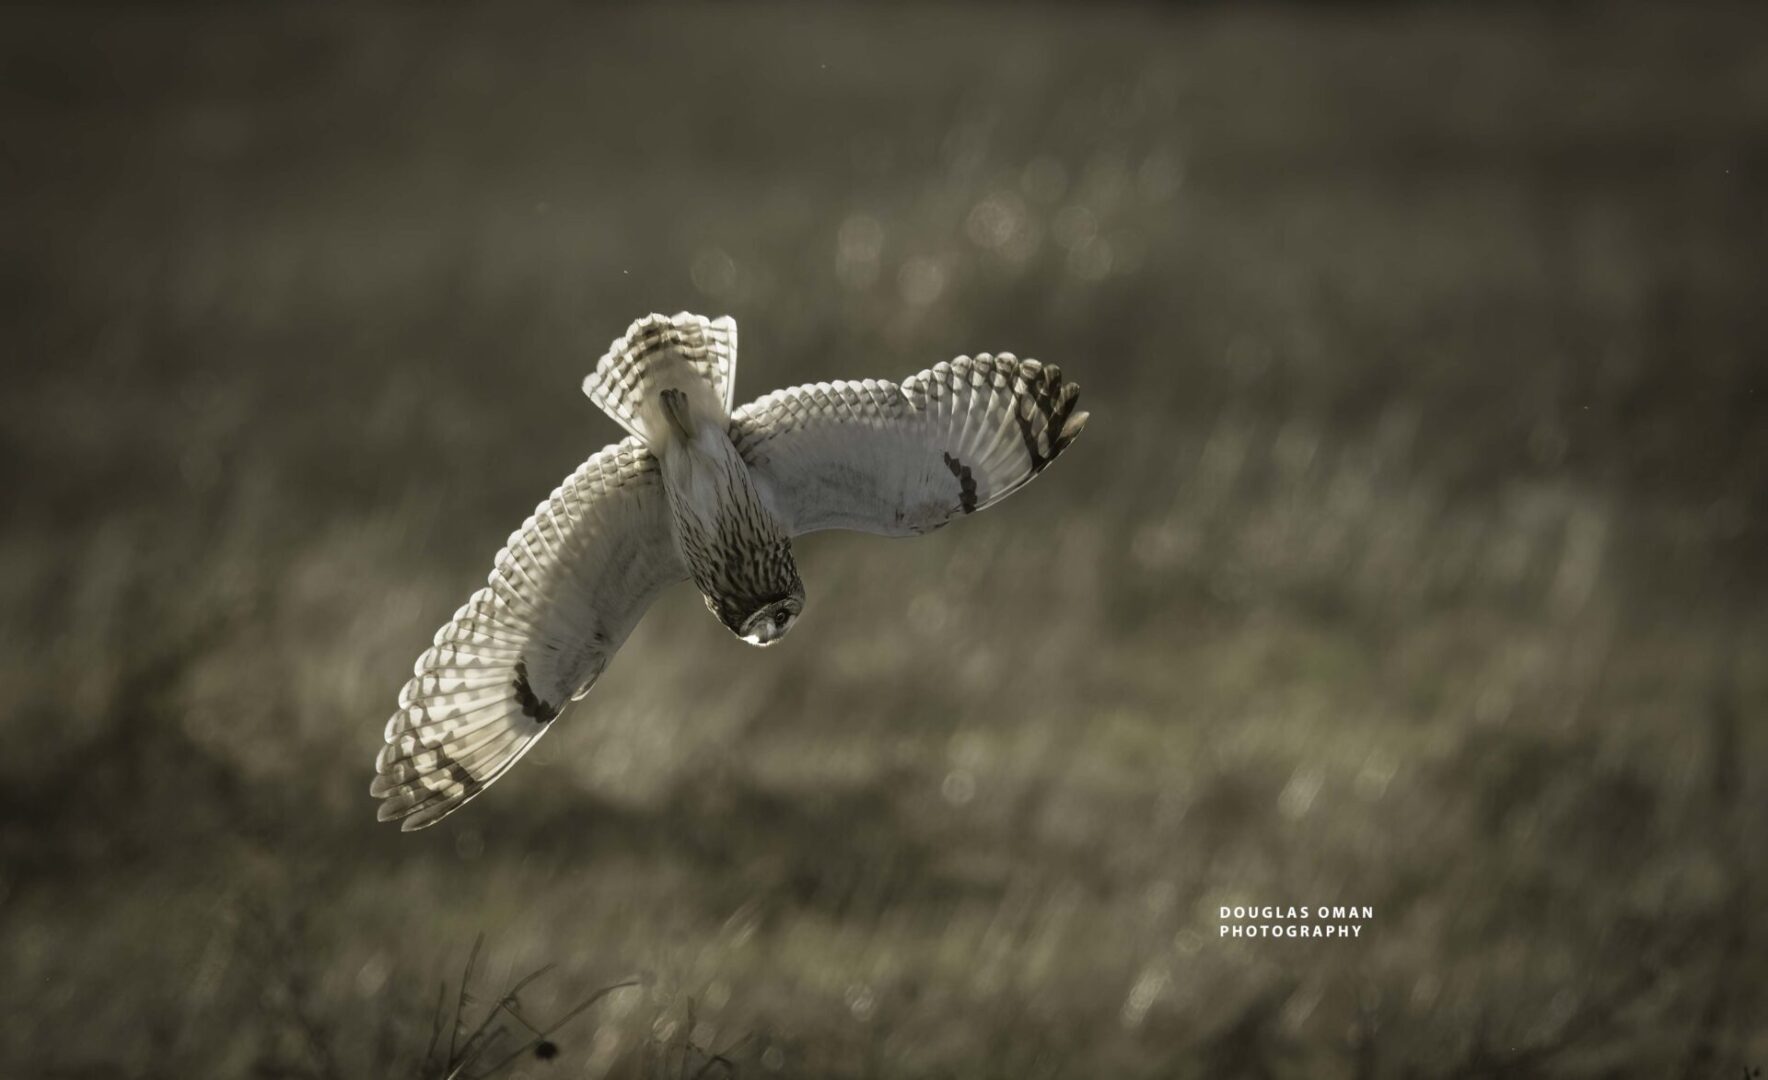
column 768, row 625
column 764, row 635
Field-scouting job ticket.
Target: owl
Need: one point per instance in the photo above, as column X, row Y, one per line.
column 699, row 491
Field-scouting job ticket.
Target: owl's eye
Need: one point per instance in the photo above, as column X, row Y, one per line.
column 781, row 618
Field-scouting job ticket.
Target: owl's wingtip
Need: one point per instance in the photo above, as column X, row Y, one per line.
column 1073, row 427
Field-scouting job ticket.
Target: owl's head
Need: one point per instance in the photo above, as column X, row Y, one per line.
column 770, row 622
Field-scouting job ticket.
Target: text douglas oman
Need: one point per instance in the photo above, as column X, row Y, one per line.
column 1295, row 922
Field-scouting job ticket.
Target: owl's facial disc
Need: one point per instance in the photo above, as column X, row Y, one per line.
column 771, row 623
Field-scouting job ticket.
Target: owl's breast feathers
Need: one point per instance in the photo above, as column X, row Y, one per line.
column 737, row 551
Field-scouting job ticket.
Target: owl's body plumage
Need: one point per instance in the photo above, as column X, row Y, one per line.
column 703, row 493
column 669, row 382
column 736, row 550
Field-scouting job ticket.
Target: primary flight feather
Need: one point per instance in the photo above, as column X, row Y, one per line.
column 700, row 492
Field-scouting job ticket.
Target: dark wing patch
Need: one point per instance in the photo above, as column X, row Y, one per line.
column 1043, row 412
column 966, row 482
column 530, row 702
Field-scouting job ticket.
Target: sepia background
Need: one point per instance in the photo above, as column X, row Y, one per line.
column 1414, row 556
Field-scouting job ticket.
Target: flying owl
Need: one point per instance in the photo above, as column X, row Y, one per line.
column 699, row 491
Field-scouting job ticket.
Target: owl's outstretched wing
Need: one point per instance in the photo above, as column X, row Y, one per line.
column 563, row 595
column 900, row 460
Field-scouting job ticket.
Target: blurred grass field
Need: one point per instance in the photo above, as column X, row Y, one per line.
column 1413, row 556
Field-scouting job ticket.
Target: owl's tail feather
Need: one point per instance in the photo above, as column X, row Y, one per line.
column 666, row 375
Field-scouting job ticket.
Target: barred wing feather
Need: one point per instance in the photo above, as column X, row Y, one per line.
column 900, row 460
column 562, row 597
